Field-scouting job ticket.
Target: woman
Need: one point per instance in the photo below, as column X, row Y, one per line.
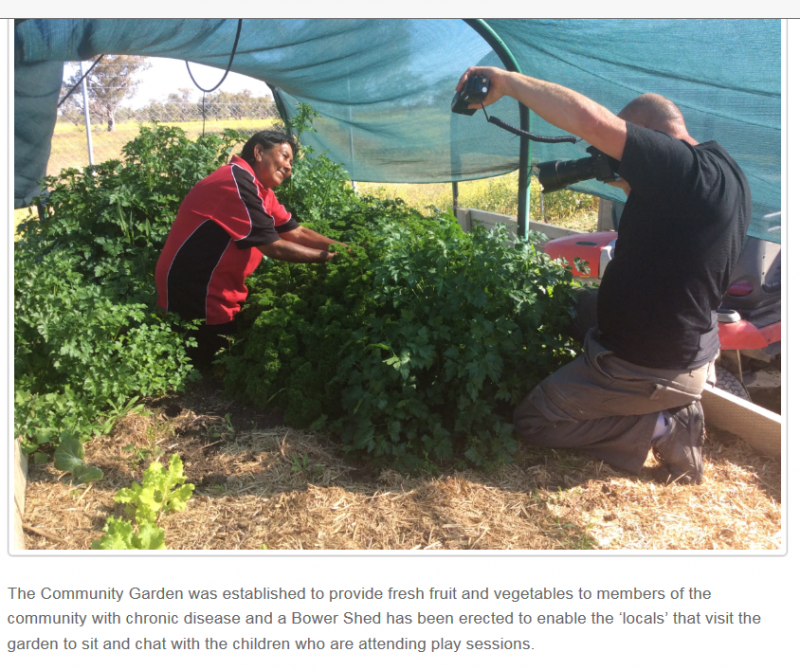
column 226, row 223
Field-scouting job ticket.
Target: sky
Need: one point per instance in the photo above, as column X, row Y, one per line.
column 167, row 75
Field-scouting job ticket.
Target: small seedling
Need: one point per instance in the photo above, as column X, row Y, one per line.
column 224, row 431
column 69, row 457
column 301, row 465
column 140, row 454
column 119, row 411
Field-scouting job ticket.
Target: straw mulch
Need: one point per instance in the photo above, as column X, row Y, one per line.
column 272, row 487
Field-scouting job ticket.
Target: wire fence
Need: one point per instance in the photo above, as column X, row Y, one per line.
column 113, row 122
column 70, row 149
column 109, row 133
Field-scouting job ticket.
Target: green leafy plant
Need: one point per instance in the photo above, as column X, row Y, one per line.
column 412, row 347
column 120, row 534
column 464, row 327
column 319, row 188
column 118, row 411
column 88, row 337
column 300, row 465
column 162, row 491
column 139, row 454
column 225, row 430
column 69, row 457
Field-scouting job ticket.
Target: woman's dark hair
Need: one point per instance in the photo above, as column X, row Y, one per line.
column 266, row 139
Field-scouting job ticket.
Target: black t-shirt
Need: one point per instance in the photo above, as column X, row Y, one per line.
column 679, row 235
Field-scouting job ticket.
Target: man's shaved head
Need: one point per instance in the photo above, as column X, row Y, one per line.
column 655, row 112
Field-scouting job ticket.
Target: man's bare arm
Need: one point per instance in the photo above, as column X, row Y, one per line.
column 285, row 250
column 558, row 105
column 308, row 238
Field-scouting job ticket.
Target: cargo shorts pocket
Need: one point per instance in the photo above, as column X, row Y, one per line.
column 539, row 404
column 668, row 394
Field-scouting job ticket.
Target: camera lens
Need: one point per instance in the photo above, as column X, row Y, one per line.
column 555, row 175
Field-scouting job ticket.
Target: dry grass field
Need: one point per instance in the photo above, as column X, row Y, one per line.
column 260, row 485
column 496, row 194
column 69, row 148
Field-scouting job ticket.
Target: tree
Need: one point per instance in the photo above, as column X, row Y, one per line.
column 72, row 108
column 109, row 83
column 179, row 106
column 240, row 105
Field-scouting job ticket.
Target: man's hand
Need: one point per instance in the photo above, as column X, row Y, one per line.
column 558, row 105
column 284, row 250
column 498, row 83
column 308, row 238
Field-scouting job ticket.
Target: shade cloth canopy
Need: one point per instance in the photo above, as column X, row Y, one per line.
column 383, row 87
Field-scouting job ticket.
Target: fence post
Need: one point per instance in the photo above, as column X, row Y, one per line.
column 541, row 202
column 86, row 115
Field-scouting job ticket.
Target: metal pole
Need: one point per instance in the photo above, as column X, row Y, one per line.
column 510, row 63
column 524, row 187
column 455, row 198
column 352, row 156
column 541, row 202
column 86, row 118
column 350, row 127
column 352, row 153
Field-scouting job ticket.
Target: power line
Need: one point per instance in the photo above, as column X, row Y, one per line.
column 72, row 90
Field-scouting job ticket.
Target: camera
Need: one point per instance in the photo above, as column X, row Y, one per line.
column 555, row 175
column 473, row 90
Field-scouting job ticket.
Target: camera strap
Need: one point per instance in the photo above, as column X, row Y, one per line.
column 524, row 133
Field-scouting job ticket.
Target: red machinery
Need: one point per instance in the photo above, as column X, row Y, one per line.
column 750, row 314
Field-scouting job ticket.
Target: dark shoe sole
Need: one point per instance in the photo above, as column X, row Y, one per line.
column 692, row 456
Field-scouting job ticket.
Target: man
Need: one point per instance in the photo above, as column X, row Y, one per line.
column 643, row 369
column 225, row 225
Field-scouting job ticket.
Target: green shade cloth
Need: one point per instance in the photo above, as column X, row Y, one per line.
column 383, row 87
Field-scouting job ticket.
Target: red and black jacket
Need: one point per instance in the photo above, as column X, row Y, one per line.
column 212, row 246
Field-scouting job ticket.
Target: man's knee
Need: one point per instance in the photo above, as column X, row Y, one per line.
column 535, row 418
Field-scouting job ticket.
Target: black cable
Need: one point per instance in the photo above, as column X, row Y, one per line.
column 72, row 90
column 227, row 69
column 524, row 133
column 531, row 136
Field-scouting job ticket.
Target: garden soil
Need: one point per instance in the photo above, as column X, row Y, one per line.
column 261, row 485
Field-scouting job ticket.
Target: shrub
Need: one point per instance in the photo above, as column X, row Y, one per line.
column 412, row 348
column 86, row 333
column 464, row 327
column 298, row 318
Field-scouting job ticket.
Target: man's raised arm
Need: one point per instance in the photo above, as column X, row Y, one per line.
column 557, row 105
